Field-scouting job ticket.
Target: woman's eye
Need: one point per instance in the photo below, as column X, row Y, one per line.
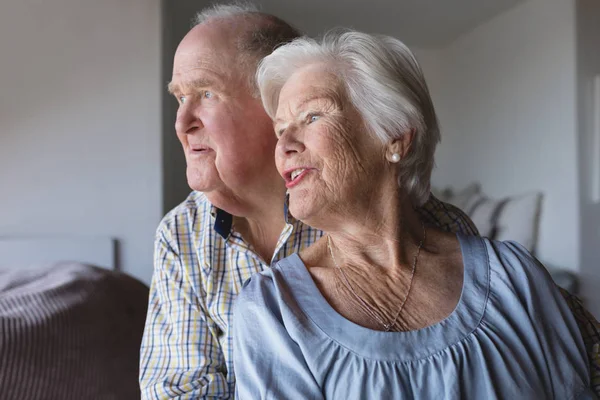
column 280, row 132
column 181, row 99
column 312, row 118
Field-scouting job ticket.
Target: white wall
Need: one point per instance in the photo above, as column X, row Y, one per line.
column 433, row 68
column 588, row 62
column 507, row 105
column 177, row 20
column 80, row 122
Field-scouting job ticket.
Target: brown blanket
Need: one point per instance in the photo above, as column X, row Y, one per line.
column 70, row 331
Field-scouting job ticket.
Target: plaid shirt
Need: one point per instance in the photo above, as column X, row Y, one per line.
column 201, row 263
column 590, row 330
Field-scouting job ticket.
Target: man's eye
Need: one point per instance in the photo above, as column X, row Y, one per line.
column 312, row 118
column 181, row 99
column 208, row 94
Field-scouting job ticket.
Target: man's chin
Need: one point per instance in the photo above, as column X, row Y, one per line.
column 216, row 192
column 201, row 182
column 203, row 185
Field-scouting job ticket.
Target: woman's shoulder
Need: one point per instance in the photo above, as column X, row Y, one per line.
column 515, row 272
column 275, row 274
column 517, row 261
column 507, row 255
column 524, row 297
column 263, row 289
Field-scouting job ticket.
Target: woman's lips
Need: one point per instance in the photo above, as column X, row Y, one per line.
column 297, row 177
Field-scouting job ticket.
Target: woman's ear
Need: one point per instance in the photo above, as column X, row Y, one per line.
column 398, row 148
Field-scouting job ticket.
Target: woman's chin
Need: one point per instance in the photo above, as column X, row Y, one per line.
column 301, row 210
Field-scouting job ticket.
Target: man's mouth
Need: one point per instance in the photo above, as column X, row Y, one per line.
column 199, row 149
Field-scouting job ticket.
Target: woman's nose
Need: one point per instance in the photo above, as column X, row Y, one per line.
column 290, row 142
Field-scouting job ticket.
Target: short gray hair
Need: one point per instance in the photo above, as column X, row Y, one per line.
column 223, row 11
column 265, row 32
column 383, row 81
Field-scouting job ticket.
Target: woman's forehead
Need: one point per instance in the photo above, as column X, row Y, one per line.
column 316, row 75
column 307, row 85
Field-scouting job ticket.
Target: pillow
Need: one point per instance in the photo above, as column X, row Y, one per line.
column 444, row 195
column 511, row 218
column 520, row 220
column 466, row 197
column 460, row 199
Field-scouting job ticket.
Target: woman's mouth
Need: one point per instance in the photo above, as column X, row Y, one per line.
column 294, row 176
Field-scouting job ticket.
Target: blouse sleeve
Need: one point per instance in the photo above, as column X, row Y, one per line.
column 554, row 324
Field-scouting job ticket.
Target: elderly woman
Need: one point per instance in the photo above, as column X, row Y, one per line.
column 383, row 306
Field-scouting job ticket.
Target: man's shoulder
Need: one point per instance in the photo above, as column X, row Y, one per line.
column 190, row 214
column 182, row 238
column 447, row 217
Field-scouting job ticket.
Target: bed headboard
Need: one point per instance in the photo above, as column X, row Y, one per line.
column 26, row 252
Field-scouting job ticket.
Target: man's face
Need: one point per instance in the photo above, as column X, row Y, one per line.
column 226, row 135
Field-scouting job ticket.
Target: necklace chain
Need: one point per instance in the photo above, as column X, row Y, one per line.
column 366, row 307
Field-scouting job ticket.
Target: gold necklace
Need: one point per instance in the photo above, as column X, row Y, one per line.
column 366, row 307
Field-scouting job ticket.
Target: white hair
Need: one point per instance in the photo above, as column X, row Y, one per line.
column 223, row 11
column 383, row 81
column 265, row 32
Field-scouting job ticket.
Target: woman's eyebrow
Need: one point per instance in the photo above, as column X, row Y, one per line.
column 334, row 99
column 319, row 96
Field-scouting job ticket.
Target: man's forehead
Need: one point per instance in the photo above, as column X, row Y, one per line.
column 208, row 38
column 208, row 59
column 189, row 58
column 205, row 44
column 194, row 65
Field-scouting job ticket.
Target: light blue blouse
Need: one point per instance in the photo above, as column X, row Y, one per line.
column 511, row 336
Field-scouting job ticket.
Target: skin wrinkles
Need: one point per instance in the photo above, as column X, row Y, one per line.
column 329, row 101
column 332, row 133
column 226, row 135
column 205, row 82
column 353, row 195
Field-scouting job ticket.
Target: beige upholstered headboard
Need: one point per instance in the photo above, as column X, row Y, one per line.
column 30, row 252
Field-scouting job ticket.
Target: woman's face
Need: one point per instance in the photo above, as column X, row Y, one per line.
column 331, row 165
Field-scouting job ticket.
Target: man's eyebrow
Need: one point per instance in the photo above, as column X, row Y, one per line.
column 172, row 87
column 196, row 83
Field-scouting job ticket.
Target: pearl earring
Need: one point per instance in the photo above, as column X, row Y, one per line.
column 395, row 157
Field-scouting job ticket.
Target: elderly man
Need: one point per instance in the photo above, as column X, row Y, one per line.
column 234, row 223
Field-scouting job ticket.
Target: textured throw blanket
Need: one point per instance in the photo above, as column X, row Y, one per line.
column 70, row 331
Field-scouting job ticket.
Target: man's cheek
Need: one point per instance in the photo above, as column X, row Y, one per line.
column 233, row 164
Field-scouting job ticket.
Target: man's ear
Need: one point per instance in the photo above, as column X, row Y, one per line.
column 398, row 149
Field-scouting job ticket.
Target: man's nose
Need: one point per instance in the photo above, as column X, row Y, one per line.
column 188, row 120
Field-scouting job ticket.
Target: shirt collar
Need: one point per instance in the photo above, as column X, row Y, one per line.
column 224, row 220
column 286, row 210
